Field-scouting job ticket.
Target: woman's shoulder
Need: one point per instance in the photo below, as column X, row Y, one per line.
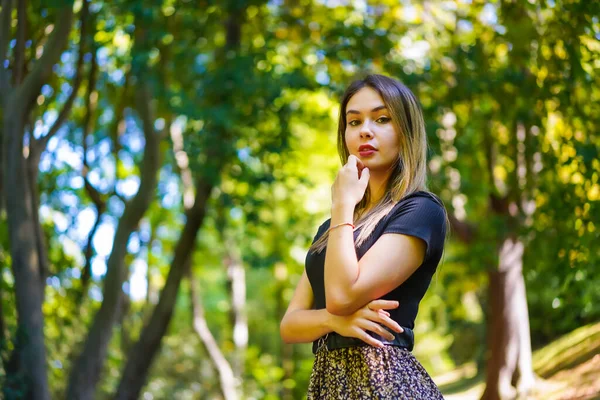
column 421, row 214
column 420, row 198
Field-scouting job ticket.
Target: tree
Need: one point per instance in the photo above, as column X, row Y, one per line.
column 27, row 368
column 166, row 139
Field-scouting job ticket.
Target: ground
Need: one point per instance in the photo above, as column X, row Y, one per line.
column 567, row 369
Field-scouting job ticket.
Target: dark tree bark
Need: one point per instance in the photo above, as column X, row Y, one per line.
column 229, row 376
column 96, row 197
column 28, row 362
column 143, row 352
column 77, row 80
column 5, row 20
column 86, row 370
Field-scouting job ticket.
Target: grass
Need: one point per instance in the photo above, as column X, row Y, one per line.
column 567, row 369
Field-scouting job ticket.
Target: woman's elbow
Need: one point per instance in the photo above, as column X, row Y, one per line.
column 285, row 332
column 287, row 340
column 341, row 308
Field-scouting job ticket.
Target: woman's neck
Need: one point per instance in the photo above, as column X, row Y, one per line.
column 377, row 188
column 377, row 191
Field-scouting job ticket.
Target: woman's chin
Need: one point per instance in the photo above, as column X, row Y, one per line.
column 367, row 161
column 370, row 163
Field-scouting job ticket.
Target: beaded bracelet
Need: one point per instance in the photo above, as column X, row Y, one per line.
column 342, row 224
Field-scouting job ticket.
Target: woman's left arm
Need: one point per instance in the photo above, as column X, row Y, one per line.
column 350, row 284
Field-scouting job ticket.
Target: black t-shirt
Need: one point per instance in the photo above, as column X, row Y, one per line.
column 419, row 214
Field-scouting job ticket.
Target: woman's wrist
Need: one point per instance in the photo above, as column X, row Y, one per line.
column 342, row 212
column 331, row 322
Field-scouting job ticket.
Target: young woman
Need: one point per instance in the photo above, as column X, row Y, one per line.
column 371, row 263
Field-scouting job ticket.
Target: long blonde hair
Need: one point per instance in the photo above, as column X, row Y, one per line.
column 409, row 172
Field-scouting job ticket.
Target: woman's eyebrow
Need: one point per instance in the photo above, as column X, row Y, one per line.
column 373, row 110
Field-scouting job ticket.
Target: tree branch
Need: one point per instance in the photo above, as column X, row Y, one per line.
column 116, row 130
column 141, row 356
column 86, row 371
column 66, row 110
column 28, row 91
column 5, row 23
column 4, row 337
column 182, row 163
column 90, row 108
column 19, row 67
column 150, row 290
column 89, row 249
column 218, row 360
column 142, row 353
column 32, row 163
column 93, row 193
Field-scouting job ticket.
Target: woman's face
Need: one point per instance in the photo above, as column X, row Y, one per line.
column 370, row 134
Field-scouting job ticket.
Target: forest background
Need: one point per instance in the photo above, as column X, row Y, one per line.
column 165, row 165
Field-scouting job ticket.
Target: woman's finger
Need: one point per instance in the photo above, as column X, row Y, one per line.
column 383, row 305
column 364, row 177
column 352, row 161
column 378, row 329
column 368, row 339
column 383, row 312
column 390, row 323
column 359, row 164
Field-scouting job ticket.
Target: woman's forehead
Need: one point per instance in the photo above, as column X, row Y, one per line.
column 365, row 100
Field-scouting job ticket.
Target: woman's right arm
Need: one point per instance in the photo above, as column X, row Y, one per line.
column 302, row 324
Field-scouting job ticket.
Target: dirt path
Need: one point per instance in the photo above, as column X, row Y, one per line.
column 579, row 383
column 569, row 369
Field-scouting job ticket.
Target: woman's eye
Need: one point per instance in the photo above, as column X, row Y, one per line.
column 354, row 122
column 383, row 120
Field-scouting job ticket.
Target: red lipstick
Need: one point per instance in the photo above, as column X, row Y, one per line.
column 366, row 150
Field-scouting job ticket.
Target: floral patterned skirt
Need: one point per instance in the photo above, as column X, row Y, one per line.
column 368, row 372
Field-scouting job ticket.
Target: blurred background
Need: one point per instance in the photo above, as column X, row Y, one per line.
column 165, row 165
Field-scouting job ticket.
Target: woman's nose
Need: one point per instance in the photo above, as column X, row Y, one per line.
column 365, row 130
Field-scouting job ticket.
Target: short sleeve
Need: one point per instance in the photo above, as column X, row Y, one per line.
column 320, row 231
column 423, row 217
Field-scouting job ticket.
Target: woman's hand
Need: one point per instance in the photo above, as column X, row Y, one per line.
column 369, row 318
column 351, row 182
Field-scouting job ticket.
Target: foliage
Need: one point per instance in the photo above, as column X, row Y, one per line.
column 516, row 82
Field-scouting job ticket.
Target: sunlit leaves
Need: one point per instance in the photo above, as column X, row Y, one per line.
column 514, row 83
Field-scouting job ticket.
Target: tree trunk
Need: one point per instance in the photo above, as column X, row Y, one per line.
column 30, row 352
column 2, row 194
column 125, row 334
column 143, row 352
column 508, row 333
column 98, row 200
column 227, row 377
column 236, row 275
column 85, row 373
column 26, row 372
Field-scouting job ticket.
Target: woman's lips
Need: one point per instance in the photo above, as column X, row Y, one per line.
column 367, row 153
